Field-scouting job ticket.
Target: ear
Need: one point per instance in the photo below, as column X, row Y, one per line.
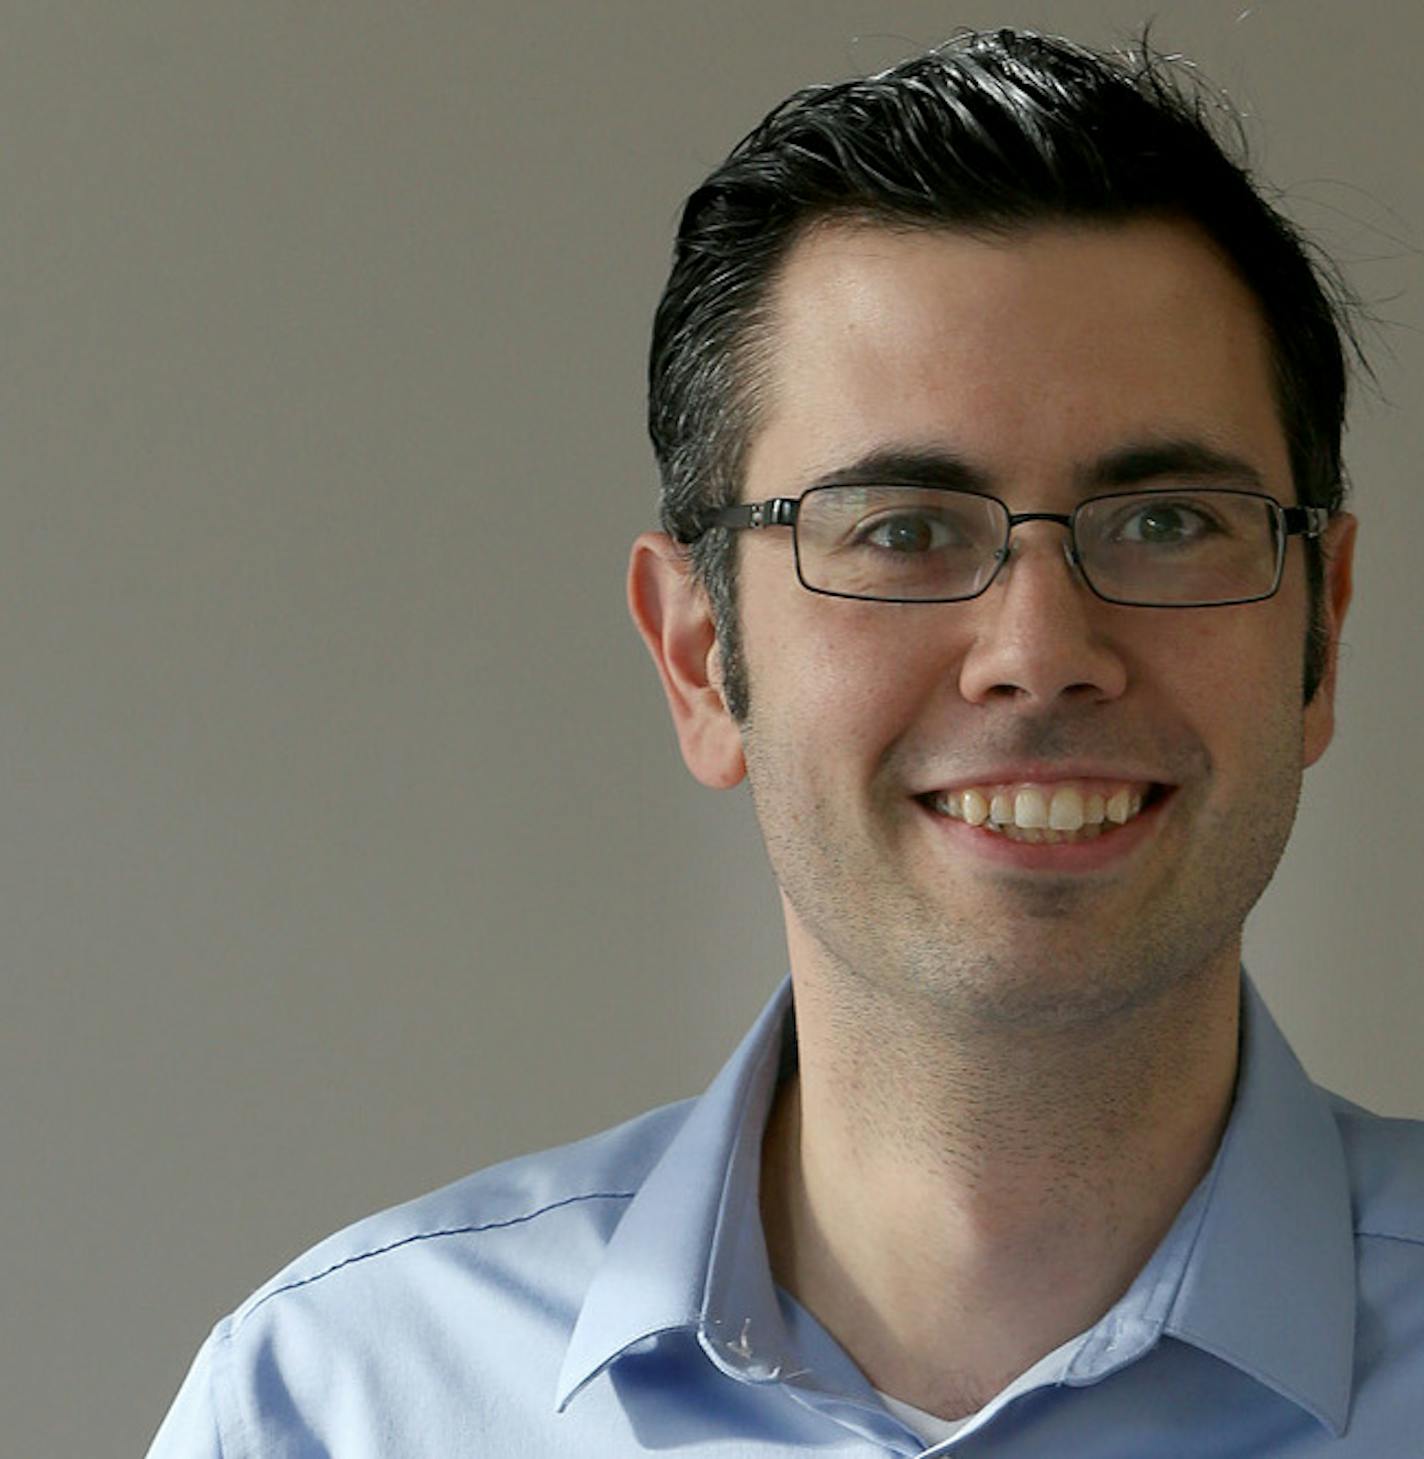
column 673, row 616
column 1339, row 552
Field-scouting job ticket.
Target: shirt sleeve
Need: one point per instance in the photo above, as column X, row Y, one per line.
column 190, row 1430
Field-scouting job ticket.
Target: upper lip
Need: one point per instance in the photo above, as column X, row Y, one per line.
column 1043, row 774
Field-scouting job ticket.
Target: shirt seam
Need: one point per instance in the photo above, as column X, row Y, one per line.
column 1391, row 1236
column 222, row 1395
column 466, row 1230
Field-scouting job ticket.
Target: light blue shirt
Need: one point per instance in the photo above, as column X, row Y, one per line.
column 613, row 1298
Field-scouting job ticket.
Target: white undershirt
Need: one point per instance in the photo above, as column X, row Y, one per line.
column 934, row 1430
column 931, row 1429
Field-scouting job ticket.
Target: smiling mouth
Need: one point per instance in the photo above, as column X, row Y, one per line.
column 1064, row 813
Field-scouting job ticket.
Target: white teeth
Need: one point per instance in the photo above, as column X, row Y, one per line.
column 1031, row 810
column 1066, row 813
column 976, row 808
column 1053, row 813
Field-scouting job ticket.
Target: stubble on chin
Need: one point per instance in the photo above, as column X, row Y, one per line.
column 896, row 933
column 1031, row 956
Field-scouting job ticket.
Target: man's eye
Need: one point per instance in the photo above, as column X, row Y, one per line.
column 905, row 533
column 1165, row 524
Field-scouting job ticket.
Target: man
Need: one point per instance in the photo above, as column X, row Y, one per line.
column 999, row 422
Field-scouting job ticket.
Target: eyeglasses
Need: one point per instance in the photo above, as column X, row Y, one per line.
column 1175, row 547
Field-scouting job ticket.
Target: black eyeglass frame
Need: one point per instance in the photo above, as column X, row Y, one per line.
column 782, row 511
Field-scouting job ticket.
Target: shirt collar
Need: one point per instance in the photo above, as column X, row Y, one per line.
column 1257, row 1270
column 688, row 1235
column 1270, row 1285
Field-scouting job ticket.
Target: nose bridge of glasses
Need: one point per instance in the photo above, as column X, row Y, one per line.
column 1017, row 519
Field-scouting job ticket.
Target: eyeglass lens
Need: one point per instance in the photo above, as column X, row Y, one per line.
column 1154, row 548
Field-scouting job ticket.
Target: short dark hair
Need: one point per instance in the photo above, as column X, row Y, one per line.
column 994, row 132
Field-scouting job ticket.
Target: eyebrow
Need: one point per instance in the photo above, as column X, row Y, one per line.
column 1181, row 458
column 912, row 466
column 1178, row 457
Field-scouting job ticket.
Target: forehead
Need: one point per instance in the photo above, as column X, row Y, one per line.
column 1030, row 355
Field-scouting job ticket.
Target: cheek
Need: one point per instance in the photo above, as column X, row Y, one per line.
column 834, row 676
column 1236, row 677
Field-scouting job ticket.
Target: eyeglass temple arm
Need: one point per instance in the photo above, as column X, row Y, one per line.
column 778, row 512
column 1305, row 521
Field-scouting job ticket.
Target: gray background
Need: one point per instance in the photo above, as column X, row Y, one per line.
column 346, row 844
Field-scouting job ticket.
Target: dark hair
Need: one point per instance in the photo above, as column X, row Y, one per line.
column 993, row 132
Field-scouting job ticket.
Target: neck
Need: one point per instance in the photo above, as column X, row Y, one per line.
column 922, row 1178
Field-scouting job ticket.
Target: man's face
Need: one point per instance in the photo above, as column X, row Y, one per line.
column 1031, row 359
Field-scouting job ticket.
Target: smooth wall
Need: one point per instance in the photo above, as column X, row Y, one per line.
column 346, row 844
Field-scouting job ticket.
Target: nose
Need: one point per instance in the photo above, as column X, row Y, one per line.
column 1040, row 629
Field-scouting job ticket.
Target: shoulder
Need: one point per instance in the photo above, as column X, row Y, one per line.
column 408, row 1330
column 487, row 1220
column 1385, row 1159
